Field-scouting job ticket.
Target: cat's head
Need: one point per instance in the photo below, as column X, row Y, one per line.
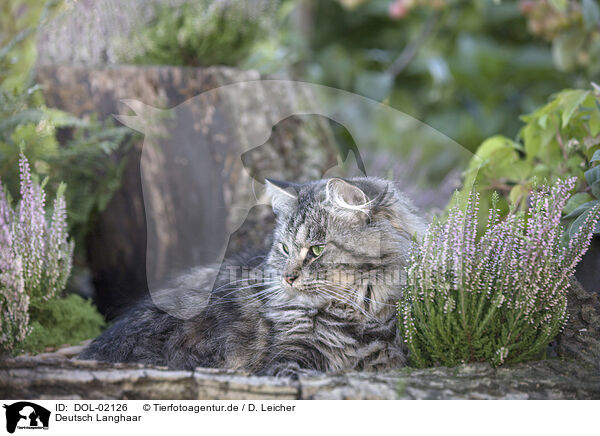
column 344, row 240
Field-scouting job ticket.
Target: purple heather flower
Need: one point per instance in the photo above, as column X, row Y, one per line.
column 519, row 264
column 35, row 257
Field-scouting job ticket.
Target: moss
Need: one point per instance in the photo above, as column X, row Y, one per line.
column 67, row 320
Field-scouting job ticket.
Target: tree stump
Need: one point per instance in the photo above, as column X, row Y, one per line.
column 212, row 153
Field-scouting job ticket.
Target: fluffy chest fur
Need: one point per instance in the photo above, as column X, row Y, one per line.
column 333, row 338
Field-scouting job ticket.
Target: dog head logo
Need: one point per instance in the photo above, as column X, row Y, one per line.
column 194, row 163
column 26, row 415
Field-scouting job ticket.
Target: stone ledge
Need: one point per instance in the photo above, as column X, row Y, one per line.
column 59, row 378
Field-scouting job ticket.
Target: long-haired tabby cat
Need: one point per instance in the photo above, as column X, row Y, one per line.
column 324, row 300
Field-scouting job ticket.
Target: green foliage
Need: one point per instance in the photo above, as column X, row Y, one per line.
column 83, row 159
column 500, row 298
column 198, row 33
column 573, row 28
column 465, row 68
column 18, row 22
column 582, row 204
column 474, row 65
column 68, row 320
column 558, row 140
column 86, row 155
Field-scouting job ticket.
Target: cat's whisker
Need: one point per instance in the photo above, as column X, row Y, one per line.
column 343, row 298
column 271, row 295
column 347, row 294
column 238, row 289
column 230, row 297
column 364, row 298
column 356, row 293
column 244, row 297
column 262, row 295
column 353, row 292
column 233, row 282
column 253, row 285
column 223, row 298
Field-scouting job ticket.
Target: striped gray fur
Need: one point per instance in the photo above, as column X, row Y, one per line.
column 336, row 310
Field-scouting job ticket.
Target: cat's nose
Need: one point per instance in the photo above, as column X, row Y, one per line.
column 290, row 277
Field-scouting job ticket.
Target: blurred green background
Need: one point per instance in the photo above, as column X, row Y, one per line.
column 470, row 69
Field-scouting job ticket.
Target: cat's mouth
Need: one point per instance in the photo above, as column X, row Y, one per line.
column 306, row 294
column 296, row 286
column 299, row 287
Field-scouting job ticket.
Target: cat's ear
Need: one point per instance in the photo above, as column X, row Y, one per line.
column 283, row 195
column 349, row 200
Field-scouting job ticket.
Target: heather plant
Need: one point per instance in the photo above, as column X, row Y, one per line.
column 499, row 298
column 35, row 256
column 14, row 302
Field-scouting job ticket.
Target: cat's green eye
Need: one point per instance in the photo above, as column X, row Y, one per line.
column 285, row 249
column 317, row 249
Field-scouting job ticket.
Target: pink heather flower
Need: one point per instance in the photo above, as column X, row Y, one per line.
column 35, row 257
column 519, row 264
